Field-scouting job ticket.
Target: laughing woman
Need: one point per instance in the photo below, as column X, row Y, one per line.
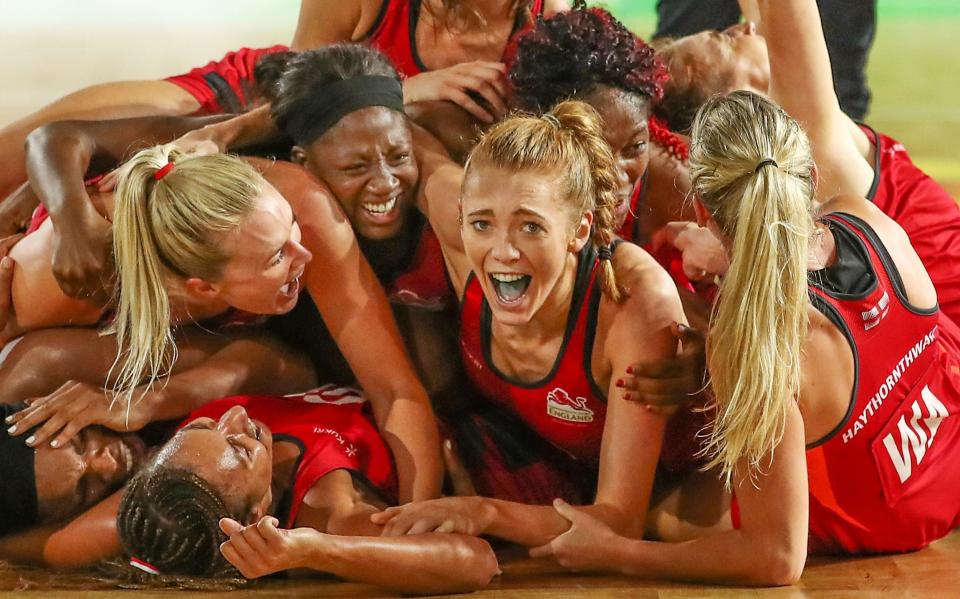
column 551, row 309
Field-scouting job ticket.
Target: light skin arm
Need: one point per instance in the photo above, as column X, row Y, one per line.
column 84, row 541
column 801, row 81
column 359, row 318
column 769, row 548
column 334, row 535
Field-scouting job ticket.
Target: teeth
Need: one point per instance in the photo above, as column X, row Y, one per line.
column 285, row 290
column 380, row 208
column 506, row 278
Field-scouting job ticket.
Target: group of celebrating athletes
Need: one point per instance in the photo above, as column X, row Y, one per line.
column 659, row 311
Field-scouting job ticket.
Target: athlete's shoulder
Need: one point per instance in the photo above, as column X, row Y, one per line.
column 650, row 290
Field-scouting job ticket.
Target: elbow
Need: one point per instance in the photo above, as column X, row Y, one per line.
column 44, row 136
column 477, row 564
column 781, row 566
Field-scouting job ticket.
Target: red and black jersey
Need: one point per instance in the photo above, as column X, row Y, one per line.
column 226, row 85
column 424, row 282
column 926, row 212
column 567, row 408
column 394, row 32
column 334, row 430
column 887, row 478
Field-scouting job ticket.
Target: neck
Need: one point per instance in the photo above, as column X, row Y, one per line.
column 285, row 456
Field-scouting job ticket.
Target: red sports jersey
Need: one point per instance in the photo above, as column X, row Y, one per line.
column 332, row 426
column 225, row 85
column 926, row 212
column 566, row 408
column 888, row 477
column 424, row 284
column 394, row 33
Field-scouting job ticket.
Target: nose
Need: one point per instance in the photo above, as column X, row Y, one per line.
column 234, row 421
column 301, row 255
column 103, row 463
column 504, row 251
column 383, row 182
column 623, row 175
column 741, row 29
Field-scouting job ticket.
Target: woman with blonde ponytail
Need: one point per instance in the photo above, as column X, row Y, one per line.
column 836, row 378
column 552, row 307
column 206, row 239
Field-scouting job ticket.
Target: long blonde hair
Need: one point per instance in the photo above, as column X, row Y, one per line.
column 567, row 141
column 752, row 169
column 169, row 224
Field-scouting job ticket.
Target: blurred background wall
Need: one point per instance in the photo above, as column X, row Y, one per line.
column 51, row 47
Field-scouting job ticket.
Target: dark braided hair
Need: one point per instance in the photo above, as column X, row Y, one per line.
column 169, row 518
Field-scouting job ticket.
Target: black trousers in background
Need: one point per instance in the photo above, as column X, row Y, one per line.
column 848, row 25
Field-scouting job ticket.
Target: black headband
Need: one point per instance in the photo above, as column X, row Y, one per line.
column 18, row 484
column 325, row 107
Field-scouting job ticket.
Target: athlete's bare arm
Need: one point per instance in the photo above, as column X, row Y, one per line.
column 58, row 157
column 334, row 534
column 83, row 541
column 359, row 318
column 801, row 81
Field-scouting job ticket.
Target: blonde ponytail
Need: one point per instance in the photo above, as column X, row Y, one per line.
column 752, row 169
column 170, row 216
column 568, row 141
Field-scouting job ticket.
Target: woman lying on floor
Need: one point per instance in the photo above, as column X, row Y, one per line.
column 290, row 486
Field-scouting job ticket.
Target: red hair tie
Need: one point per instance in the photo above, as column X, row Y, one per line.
column 160, row 174
column 147, row 567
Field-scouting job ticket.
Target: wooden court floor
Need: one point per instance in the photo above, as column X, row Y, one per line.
column 933, row 572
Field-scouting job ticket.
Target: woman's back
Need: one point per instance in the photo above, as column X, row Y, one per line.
column 881, row 431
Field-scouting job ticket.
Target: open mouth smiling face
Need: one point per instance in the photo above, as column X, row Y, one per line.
column 517, row 234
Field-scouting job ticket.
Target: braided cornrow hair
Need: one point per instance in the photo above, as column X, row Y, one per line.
column 169, row 518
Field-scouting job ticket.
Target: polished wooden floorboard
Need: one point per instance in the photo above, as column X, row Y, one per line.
column 933, row 572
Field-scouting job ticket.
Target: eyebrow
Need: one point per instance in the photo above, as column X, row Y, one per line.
column 293, row 221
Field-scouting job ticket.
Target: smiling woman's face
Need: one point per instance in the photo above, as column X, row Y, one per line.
column 76, row 476
column 234, row 454
column 367, row 161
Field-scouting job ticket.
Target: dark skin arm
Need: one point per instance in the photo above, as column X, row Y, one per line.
column 85, row 540
column 247, row 362
column 58, row 158
column 334, row 535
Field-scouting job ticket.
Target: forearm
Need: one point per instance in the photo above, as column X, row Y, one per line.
column 535, row 525
column 410, row 431
column 58, row 156
column 243, row 366
column 427, row 563
column 250, row 129
column 745, row 561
